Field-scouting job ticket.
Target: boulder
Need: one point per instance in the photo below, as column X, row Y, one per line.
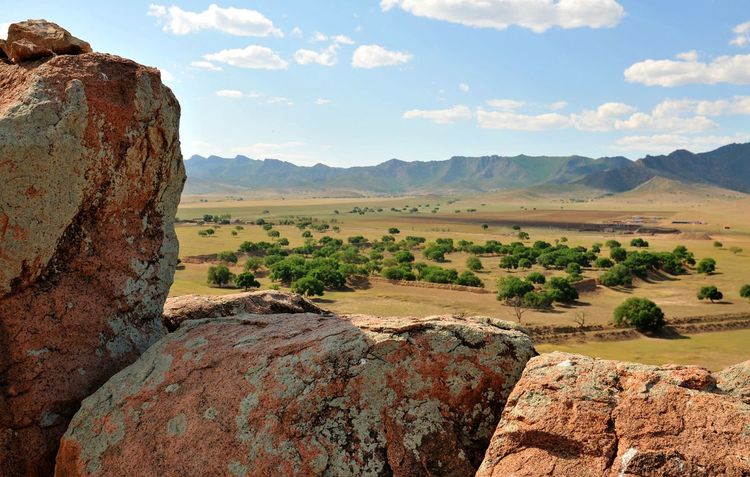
column 735, row 380
column 574, row 415
column 91, row 175
column 266, row 302
column 34, row 39
column 302, row 394
column 3, row 55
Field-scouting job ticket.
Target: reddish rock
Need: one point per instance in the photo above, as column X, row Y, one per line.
column 266, row 302
column 3, row 54
column 91, row 175
column 303, row 395
column 34, row 39
column 735, row 381
column 571, row 415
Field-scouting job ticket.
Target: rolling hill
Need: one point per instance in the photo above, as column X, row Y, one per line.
column 727, row 167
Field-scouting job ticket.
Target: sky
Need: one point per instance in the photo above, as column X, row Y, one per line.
column 358, row 82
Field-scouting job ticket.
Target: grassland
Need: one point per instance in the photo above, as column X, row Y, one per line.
column 722, row 216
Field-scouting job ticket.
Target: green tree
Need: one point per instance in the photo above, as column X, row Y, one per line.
column 523, row 235
column 536, row 277
column 485, row 226
column 227, row 257
column 641, row 313
column 246, row 280
column 474, row 264
column 524, row 263
column 603, row 262
column 707, row 266
column 710, row 292
column 538, row 300
column 561, row 290
column 469, row 279
column 745, row 291
column 638, row 242
column 512, row 287
column 393, row 231
column 718, row 244
column 252, row 264
column 612, row 243
column 308, row 286
column 219, row 275
column 617, row 276
column 404, row 256
column 508, row 262
column 618, row 254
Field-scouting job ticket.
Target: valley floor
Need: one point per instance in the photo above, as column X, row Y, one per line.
column 720, row 217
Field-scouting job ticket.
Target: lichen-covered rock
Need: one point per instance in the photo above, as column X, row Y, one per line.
column 304, row 395
column 34, row 39
column 573, row 415
column 91, row 176
column 735, row 380
column 266, row 302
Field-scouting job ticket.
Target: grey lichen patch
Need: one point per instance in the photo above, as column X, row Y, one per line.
column 172, row 388
column 210, row 414
column 237, row 469
column 37, row 352
column 197, row 342
column 177, row 425
column 247, row 405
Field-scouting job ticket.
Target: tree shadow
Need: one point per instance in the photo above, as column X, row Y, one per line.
column 667, row 333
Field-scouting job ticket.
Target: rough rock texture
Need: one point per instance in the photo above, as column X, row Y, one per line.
column 3, row 55
column 735, row 380
column 91, row 175
column 34, row 39
column 571, row 415
column 267, row 302
column 302, row 394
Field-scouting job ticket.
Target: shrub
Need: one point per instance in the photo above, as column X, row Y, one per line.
column 536, row 277
column 638, row 242
column 397, row 273
column 524, row 263
column 469, row 279
column 718, row 244
column 253, row 264
column 393, row 231
column 641, row 313
column 404, row 256
column 612, row 244
column 710, row 292
column 474, row 264
column 538, row 300
column 707, row 266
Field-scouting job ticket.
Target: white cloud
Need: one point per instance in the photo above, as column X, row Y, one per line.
column 558, row 105
column 322, row 101
column 464, row 87
column 440, row 116
column 536, row 15
column 278, row 100
column 666, row 143
column 229, row 93
column 520, row 122
column 166, row 76
column 343, row 40
column 326, row 57
column 205, row 65
column 741, row 35
column 686, row 69
column 296, row 32
column 253, row 56
column 233, row 21
column 373, row 56
column 602, row 118
column 505, row 104
column 4, row 30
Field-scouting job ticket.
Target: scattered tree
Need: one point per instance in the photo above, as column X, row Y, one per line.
column 246, row 280
column 745, row 291
column 474, row 264
column 308, row 286
column 707, row 266
column 512, row 287
column 710, row 292
column 536, row 277
column 393, row 231
column 227, row 257
column 638, row 242
column 641, row 313
column 618, row 254
column 219, row 275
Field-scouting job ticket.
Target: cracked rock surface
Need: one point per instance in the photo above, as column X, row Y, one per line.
column 302, row 394
column 573, row 415
column 91, row 175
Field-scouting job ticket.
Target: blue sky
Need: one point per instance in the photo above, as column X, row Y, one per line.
column 360, row 82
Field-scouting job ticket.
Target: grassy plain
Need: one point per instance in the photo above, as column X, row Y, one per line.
column 723, row 216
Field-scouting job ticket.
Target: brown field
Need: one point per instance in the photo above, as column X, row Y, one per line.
column 543, row 217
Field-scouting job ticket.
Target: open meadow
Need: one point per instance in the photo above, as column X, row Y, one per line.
column 713, row 216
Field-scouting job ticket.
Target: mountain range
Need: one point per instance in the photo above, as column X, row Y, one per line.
column 726, row 167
